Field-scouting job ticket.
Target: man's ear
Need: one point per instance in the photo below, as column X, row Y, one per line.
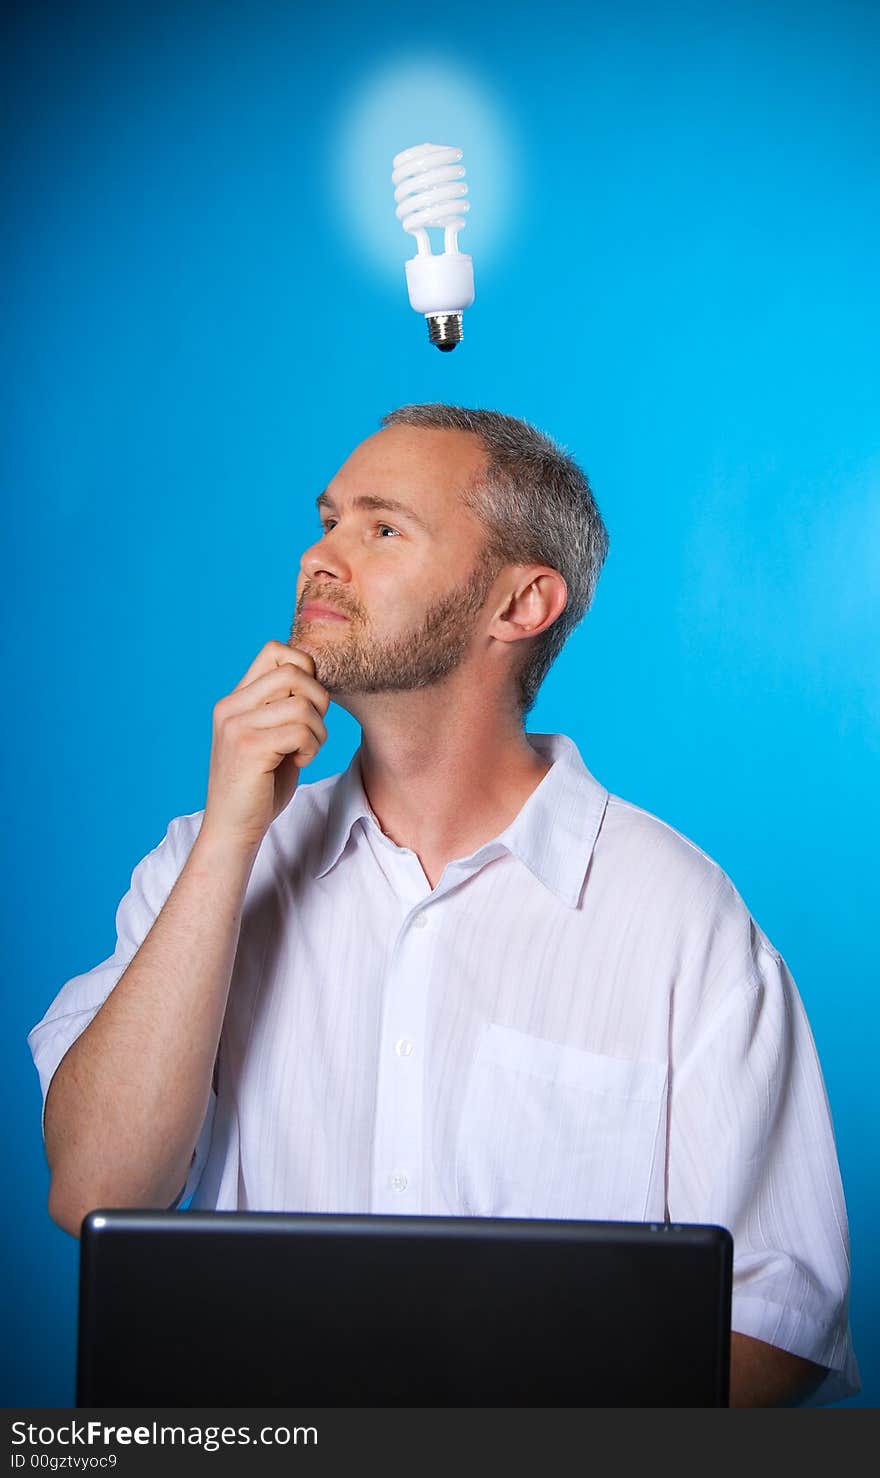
column 531, row 601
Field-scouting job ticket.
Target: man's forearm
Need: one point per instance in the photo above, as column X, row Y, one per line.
column 127, row 1101
column 762, row 1375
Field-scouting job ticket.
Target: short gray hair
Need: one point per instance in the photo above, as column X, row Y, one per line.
column 538, row 508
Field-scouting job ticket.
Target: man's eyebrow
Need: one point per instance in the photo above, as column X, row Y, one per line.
column 374, row 504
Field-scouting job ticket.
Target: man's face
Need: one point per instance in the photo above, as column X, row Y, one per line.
column 388, row 597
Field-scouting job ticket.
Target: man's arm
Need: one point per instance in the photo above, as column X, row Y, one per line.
column 762, row 1375
column 751, row 1148
column 127, row 1101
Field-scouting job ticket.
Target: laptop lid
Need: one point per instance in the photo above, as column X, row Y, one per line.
column 276, row 1309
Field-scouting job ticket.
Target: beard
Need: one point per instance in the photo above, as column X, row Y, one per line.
column 355, row 660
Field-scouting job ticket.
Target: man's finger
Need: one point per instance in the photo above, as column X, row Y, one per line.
column 272, row 655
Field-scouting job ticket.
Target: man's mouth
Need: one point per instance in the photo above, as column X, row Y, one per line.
column 315, row 611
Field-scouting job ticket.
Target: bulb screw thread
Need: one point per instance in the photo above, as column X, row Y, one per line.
column 445, row 330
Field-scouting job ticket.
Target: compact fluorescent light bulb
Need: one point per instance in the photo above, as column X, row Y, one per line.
column 429, row 191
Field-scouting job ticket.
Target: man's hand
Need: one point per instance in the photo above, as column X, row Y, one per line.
column 762, row 1375
column 265, row 731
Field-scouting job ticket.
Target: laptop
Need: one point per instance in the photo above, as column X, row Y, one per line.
column 275, row 1309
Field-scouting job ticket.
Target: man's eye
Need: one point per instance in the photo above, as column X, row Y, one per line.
column 382, row 528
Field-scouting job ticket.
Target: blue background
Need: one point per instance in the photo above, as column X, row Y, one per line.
column 675, row 237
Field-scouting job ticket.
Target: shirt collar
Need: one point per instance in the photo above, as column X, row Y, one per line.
column 553, row 835
column 555, row 832
column 348, row 804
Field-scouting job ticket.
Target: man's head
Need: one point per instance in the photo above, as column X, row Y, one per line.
column 446, row 529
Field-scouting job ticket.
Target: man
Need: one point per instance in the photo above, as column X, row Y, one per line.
column 459, row 979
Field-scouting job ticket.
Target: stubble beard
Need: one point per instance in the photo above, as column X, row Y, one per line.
column 354, row 660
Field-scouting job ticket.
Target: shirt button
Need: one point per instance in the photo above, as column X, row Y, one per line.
column 419, row 922
column 398, row 1182
column 404, row 1047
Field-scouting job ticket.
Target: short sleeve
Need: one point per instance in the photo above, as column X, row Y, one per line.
column 751, row 1148
column 81, row 998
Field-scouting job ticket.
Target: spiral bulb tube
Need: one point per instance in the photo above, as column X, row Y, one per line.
column 429, row 191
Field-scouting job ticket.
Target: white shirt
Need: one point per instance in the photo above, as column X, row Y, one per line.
column 581, row 1020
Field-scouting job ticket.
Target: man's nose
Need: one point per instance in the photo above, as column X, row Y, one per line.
column 326, row 557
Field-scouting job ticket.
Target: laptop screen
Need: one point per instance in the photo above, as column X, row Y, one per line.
column 277, row 1309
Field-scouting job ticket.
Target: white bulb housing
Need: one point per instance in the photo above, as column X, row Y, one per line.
column 429, row 190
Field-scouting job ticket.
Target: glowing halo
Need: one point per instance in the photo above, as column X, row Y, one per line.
column 414, row 100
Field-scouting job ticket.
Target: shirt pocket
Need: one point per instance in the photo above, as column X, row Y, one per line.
column 551, row 1131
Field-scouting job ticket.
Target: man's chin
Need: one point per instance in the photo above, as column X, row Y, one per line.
column 308, row 640
column 326, row 671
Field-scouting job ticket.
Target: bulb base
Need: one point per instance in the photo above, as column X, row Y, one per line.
column 444, row 329
column 440, row 284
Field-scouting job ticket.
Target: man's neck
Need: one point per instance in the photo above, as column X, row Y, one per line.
column 443, row 778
